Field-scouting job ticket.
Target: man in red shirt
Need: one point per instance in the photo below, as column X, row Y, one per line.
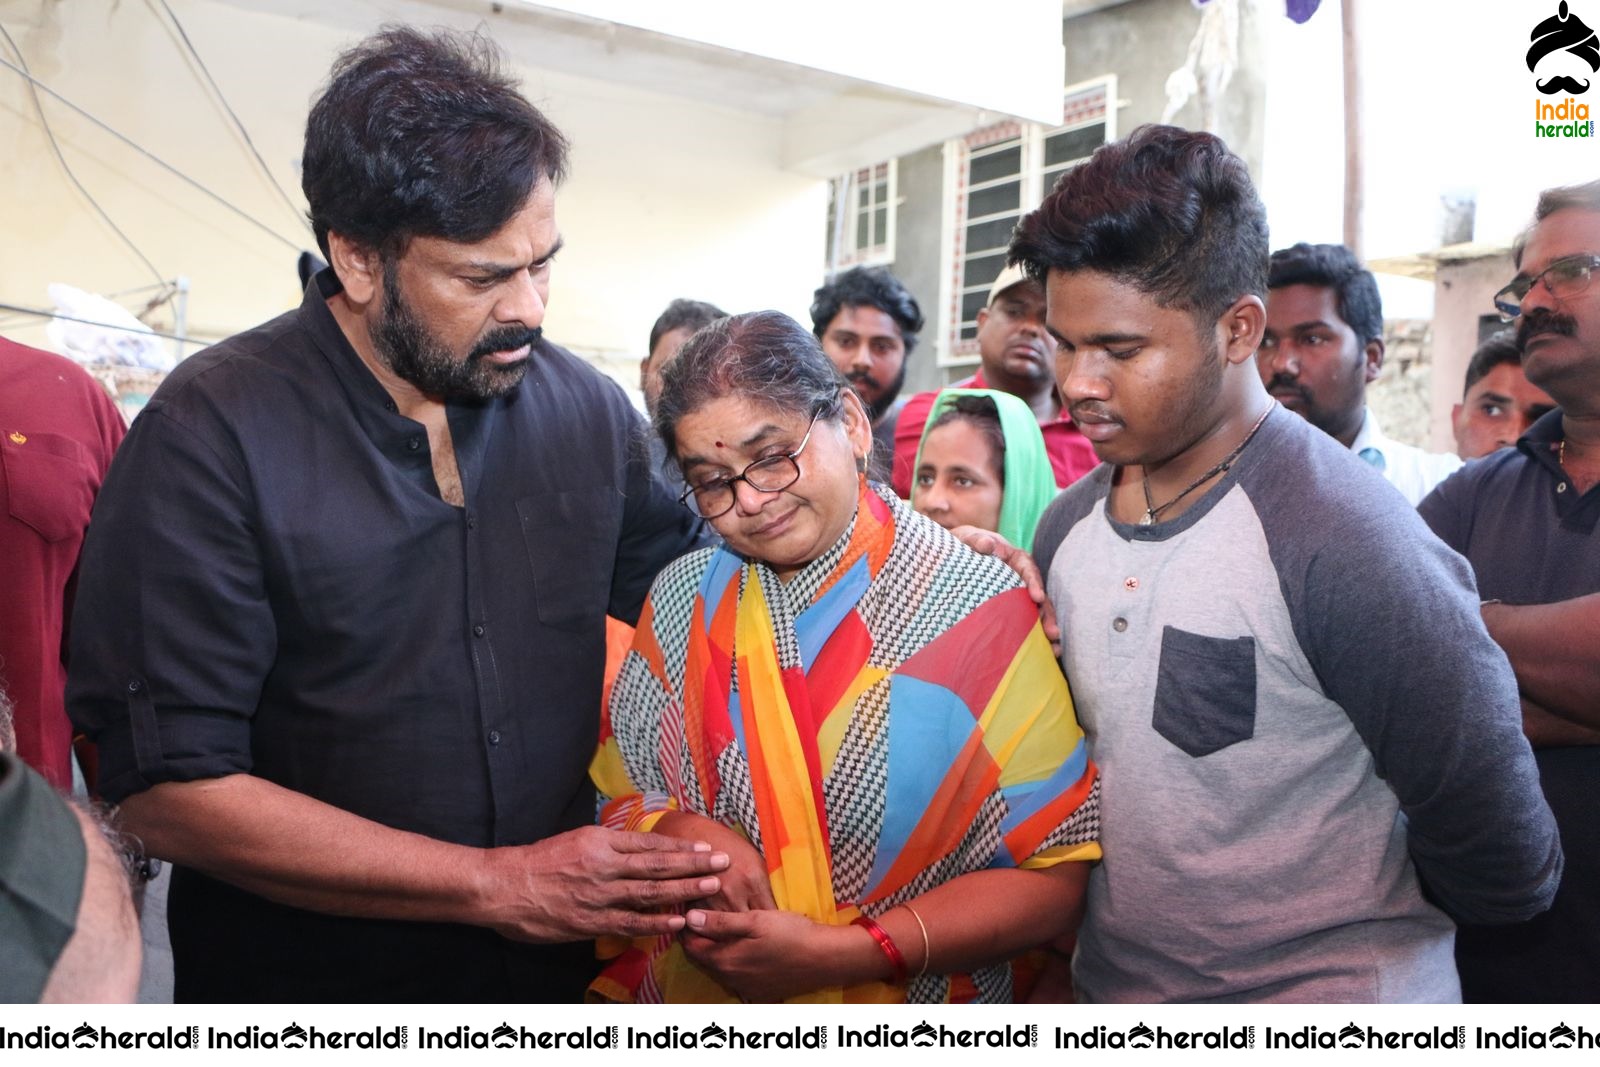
column 1017, row 358
column 58, row 429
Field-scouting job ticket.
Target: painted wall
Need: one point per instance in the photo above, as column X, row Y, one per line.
column 1144, row 41
column 1141, row 42
column 918, row 260
column 1464, row 295
column 665, row 199
column 932, row 56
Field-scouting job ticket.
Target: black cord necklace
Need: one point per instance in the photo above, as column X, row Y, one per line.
column 1151, row 512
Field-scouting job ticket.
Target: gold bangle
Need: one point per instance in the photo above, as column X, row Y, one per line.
column 925, row 951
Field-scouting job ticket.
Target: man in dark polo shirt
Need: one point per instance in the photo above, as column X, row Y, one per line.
column 1525, row 518
column 341, row 622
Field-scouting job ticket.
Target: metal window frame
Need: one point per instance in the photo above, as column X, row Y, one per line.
column 1084, row 104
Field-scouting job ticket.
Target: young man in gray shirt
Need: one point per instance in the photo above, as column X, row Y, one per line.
column 1298, row 715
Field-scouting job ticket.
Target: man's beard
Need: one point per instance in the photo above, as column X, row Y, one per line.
column 886, row 397
column 417, row 356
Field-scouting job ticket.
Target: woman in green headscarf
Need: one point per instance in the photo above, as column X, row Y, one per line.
column 982, row 462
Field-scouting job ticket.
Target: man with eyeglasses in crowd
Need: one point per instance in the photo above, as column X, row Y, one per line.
column 1017, row 357
column 1525, row 519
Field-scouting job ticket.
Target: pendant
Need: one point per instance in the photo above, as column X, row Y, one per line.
column 1148, row 520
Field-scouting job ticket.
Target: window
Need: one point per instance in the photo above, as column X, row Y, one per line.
column 1000, row 173
column 863, row 232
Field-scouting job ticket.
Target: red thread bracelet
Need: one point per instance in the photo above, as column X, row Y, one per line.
column 886, row 943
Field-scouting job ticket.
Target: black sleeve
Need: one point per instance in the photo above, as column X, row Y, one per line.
column 172, row 633
column 656, row 529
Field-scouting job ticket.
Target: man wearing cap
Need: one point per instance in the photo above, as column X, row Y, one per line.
column 1017, row 358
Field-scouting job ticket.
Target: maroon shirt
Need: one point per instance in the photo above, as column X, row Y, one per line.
column 58, row 429
column 1071, row 454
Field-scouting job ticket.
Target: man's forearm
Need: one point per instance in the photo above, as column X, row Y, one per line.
column 299, row 851
column 1545, row 730
column 296, row 850
column 1555, row 651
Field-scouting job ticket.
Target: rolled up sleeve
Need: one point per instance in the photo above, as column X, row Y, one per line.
column 172, row 632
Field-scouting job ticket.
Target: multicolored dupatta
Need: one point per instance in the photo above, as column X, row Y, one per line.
column 889, row 719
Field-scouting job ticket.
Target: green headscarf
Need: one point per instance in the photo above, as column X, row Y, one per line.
column 1030, row 480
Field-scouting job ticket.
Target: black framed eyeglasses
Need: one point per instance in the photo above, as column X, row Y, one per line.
column 1564, row 278
column 714, row 497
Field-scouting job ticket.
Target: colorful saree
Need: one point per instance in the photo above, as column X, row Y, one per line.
column 888, row 720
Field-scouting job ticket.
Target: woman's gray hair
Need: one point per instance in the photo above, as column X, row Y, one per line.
column 764, row 357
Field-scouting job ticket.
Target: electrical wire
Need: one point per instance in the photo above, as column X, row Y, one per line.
column 41, row 313
column 165, row 291
column 237, row 122
column 44, row 121
column 252, row 220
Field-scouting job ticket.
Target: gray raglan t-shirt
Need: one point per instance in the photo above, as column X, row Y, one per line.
column 1295, row 708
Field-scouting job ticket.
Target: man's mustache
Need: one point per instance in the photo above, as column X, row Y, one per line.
column 1563, row 84
column 506, row 339
column 861, row 377
column 1285, row 383
column 1543, row 320
column 1090, row 409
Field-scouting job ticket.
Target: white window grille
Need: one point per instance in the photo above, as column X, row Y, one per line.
column 861, row 217
column 999, row 173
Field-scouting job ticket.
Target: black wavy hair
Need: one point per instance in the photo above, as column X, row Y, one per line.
column 1170, row 211
column 683, row 314
column 1584, row 197
column 868, row 287
column 1333, row 267
column 420, row 134
column 1498, row 348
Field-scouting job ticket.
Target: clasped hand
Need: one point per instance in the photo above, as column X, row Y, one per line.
column 737, row 935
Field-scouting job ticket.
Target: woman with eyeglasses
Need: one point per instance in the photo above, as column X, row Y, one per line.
column 860, row 711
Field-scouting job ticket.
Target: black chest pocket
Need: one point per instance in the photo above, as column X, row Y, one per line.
column 1205, row 691
column 571, row 539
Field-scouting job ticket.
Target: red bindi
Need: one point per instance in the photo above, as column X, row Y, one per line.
column 719, row 444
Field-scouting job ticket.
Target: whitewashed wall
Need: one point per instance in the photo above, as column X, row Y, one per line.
column 667, row 198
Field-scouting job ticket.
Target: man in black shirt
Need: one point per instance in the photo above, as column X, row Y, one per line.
column 1526, row 519
column 340, row 629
